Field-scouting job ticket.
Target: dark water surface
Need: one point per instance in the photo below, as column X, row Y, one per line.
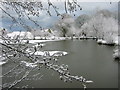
column 86, row 58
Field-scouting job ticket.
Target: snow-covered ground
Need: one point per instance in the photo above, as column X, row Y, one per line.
column 21, row 35
column 36, row 41
column 39, row 41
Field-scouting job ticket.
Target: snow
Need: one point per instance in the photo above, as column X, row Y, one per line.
column 101, row 41
column 1, row 63
column 37, row 37
column 48, row 53
column 1, row 41
column 83, row 37
column 39, row 41
column 117, row 40
column 2, row 58
column 39, row 45
column 89, row 81
column 116, row 54
column 54, row 38
column 51, row 53
column 22, row 35
column 104, row 42
column 115, row 51
column 32, row 65
column 29, row 64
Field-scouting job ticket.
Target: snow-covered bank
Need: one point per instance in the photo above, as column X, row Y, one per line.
column 101, row 41
column 104, row 42
column 51, row 53
column 116, row 54
column 114, row 41
column 30, row 41
column 50, row 38
column 84, row 37
column 38, row 41
column 48, row 53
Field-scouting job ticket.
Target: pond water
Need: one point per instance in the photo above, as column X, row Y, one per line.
column 86, row 58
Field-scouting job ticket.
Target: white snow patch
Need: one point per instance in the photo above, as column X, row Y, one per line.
column 51, row 53
column 48, row 39
column 1, row 63
column 116, row 54
column 48, row 53
column 89, row 81
column 101, row 41
column 29, row 64
column 1, row 41
column 38, row 41
column 117, row 40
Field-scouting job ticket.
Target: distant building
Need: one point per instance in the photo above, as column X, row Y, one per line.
column 20, row 35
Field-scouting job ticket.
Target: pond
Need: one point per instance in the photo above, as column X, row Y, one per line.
column 86, row 58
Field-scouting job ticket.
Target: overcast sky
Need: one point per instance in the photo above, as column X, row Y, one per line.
column 87, row 8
